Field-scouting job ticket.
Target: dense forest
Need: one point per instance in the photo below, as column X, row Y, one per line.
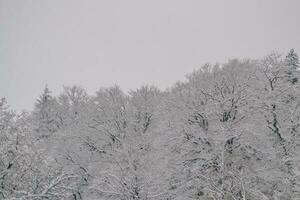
column 229, row 132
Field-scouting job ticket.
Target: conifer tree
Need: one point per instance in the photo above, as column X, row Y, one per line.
column 292, row 62
column 45, row 113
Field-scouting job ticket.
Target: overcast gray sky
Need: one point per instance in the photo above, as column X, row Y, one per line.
column 132, row 42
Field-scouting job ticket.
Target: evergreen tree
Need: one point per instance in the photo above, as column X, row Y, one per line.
column 45, row 113
column 292, row 62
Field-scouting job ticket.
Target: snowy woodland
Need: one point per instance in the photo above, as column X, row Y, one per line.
column 229, row 132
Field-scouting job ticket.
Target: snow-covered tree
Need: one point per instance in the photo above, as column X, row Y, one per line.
column 228, row 132
column 292, row 63
column 277, row 103
column 45, row 115
column 26, row 172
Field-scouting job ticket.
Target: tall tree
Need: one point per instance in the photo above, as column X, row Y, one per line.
column 45, row 115
column 292, row 62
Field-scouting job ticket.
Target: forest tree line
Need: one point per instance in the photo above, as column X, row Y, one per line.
column 229, row 132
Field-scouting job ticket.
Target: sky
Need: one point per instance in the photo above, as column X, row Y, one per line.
column 131, row 43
